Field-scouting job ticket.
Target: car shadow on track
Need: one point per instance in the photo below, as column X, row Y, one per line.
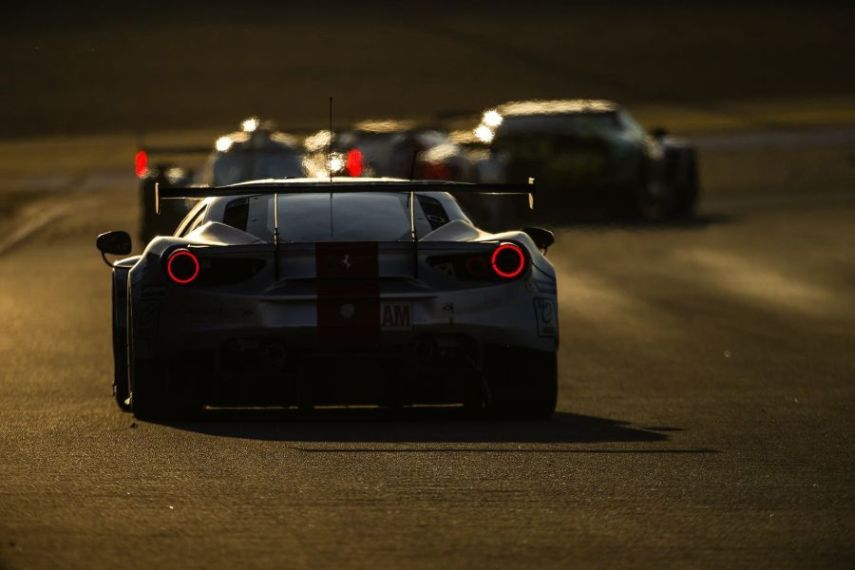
column 421, row 425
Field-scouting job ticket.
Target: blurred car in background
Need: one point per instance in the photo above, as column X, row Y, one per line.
column 256, row 151
column 388, row 148
column 587, row 156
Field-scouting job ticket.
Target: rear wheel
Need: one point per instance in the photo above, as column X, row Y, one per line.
column 648, row 197
column 654, row 204
column 523, row 384
column 152, row 400
column 687, row 186
column 120, row 351
column 150, row 395
column 641, row 199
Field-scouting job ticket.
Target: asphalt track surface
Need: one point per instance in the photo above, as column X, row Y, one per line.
column 706, row 418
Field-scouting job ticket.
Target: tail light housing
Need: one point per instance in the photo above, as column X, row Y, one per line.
column 182, row 267
column 508, row 261
column 185, row 267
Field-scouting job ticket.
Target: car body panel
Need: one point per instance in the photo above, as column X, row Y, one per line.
column 299, row 299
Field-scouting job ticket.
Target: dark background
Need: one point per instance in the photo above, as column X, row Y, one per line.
column 154, row 66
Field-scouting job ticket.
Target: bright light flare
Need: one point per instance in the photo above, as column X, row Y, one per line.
column 492, row 118
column 336, row 163
column 223, row 143
column 249, row 125
column 484, row 134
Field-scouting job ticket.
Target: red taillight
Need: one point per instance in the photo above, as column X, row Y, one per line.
column 354, row 162
column 140, row 163
column 182, row 266
column 508, row 260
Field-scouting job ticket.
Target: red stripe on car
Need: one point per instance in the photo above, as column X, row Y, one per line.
column 348, row 306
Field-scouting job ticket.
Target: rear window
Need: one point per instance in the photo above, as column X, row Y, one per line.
column 369, row 216
column 560, row 124
column 192, row 221
column 242, row 165
column 236, row 214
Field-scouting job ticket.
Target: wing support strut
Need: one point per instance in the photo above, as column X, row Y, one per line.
column 413, row 235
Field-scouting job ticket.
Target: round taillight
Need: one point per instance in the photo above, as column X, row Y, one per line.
column 182, row 266
column 508, row 260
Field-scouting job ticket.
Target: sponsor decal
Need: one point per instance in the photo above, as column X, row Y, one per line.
column 396, row 317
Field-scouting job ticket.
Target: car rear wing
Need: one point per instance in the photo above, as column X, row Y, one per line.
column 321, row 186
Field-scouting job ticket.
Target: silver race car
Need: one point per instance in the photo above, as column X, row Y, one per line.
column 356, row 291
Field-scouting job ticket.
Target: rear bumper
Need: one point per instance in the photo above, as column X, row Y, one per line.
column 266, row 371
column 511, row 315
column 243, row 350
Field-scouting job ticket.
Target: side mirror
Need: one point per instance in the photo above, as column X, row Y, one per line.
column 113, row 243
column 542, row 238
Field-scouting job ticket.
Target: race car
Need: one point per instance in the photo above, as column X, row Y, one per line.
column 256, row 151
column 388, row 148
column 588, row 156
column 303, row 293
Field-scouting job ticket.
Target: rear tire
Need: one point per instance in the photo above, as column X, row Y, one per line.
column 120, row 353
column 523, row 384
column 654, row 201
column 687, row 187
column 151, row 400
column 150, row 396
